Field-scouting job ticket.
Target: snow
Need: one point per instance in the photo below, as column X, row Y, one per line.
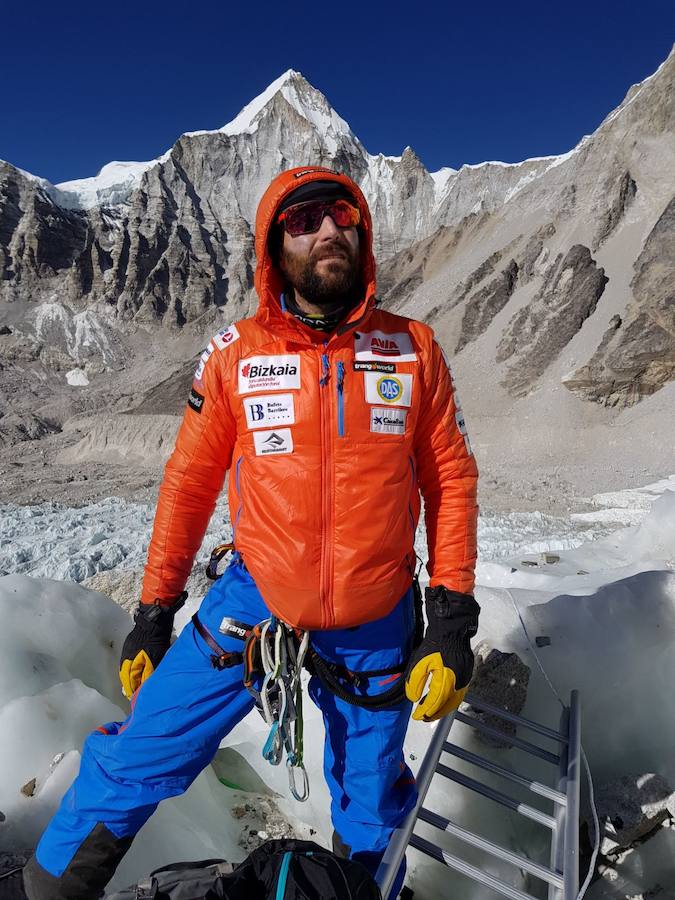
column 113, row 184
column 81, row 333
column 607, row 605
column 77, row 378
column 51, row 540
column 304, row 98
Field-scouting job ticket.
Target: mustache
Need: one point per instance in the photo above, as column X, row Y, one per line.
column 336, row 249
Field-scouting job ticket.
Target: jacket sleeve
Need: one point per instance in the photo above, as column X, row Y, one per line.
column 447, row 476
column 193, row 479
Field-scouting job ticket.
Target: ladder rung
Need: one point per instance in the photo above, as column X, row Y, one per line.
column 516, row 719
column 482, row 843
column 508, row 738
column 507, row 890
column 528, row 811
column 535, row 786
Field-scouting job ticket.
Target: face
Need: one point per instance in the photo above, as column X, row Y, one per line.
column 323, row 267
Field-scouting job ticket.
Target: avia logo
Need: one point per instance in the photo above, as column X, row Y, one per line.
column 274, row 440
column 384, row 347
column 257, row 371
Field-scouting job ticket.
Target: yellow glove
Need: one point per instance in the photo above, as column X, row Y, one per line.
column 442, row 696
column 133, row 672
column 147, row 642
column 444, row 655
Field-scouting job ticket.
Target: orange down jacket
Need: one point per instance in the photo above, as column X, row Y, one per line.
column 328, row 444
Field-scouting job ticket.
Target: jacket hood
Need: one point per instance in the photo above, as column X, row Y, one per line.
column 269, row 280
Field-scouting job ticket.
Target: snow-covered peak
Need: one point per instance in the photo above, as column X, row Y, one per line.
column 305, row 99
column 113, row 184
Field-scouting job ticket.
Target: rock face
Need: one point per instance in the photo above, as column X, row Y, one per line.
column 525, row 266
column 637, row 353
column 538, row 332
column 631, row 807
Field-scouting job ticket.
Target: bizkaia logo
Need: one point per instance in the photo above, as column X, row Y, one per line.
column 269, row 373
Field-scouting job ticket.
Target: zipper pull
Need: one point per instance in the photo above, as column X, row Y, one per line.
column 341, row 376
column 325, row 371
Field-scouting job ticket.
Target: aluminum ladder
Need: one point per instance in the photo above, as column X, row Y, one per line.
column 563, row 822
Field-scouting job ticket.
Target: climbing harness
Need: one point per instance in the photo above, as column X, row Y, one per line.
column 343, row 682
column 275, row 653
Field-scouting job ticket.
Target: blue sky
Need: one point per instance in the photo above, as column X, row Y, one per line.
column 85, row 83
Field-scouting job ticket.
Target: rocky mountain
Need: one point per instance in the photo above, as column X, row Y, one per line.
column 551, row 272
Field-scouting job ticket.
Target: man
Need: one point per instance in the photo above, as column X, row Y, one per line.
column 328, row 414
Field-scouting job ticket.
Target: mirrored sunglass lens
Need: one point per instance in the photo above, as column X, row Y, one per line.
column 344, row 214
column 308, row 217
column 304, row 219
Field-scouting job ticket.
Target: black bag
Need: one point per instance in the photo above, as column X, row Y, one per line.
column 277, row 870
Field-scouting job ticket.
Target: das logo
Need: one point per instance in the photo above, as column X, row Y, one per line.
column 389, row 389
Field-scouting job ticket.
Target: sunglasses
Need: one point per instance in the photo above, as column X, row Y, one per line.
column 306, row 218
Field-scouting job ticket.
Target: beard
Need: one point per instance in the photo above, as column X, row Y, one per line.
column 337, row 285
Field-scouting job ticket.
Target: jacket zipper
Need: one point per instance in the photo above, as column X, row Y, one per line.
column 341, row 398
column 326, row 579
column 410, row 512
column 241, row 502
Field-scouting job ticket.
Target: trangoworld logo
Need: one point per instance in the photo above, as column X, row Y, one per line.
column 195, row 401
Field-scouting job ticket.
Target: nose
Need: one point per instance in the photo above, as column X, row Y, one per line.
column 328, row 228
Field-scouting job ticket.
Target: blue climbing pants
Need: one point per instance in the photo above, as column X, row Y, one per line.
column 181, row 714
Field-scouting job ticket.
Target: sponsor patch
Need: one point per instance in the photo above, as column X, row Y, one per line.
column 388, row 421
column 269, row 373
column 234, row 629
column 203, row 359
column 278, row 441
column 261, row 412
column 226, row 336
column 461, row 425
column 393, row 389
column 374, row 345
column 196, row 401
column 374, row 367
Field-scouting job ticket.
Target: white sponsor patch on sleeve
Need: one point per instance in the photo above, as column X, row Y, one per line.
column 269, row 373
column 263, row 411
column 388, row 421
column 268, row 442
column 203, row 359
column 375, row 345
column 226, row 336
column 393, row 389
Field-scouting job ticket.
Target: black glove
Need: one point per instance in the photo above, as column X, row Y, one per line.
column 147, row 643
column 445, row 654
